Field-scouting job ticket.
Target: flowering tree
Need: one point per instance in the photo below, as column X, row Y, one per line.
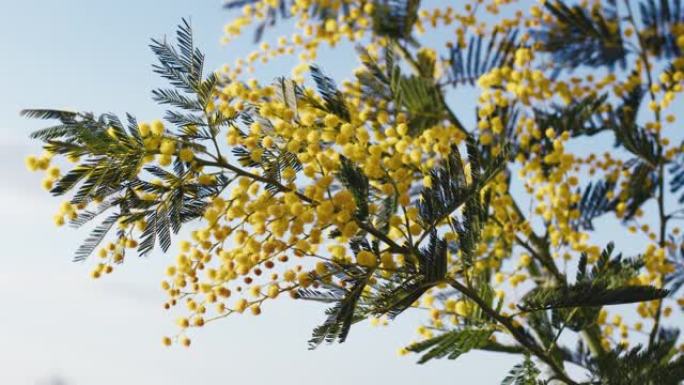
column 378, row 198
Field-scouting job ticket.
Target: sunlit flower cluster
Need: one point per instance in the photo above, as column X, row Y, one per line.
column 267, row 234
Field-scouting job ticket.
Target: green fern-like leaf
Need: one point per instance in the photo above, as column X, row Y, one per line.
column 480, row 56
column 342, row 315
column 353, row 178
column 395, row 18
column 451, row 344
column 524, row 373
column 580, row 36
column 588, row 294
column 334, row 101
column 660, row 19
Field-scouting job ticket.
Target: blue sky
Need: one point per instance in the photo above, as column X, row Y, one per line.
column 59, row 323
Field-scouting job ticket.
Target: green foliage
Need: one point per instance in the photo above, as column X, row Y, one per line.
column 641, row 186
column 286, row 92
column 63, row 116
column 676, row 169
column 639, row 142
column 416, row 95
column 659, row 19
column 451, row 344
column 403, row 289
column 422, row 100
column 586, row 294
column 395, row 18
column 182, row 65
column 606, row 284
column 594, row 203
column 481, row 56
column 345, row 310
column 450, row 189
column 355, row 181
column 432, row 260
column 524, row 373
column 657, row 364
column 580, row 36
column 378, row 75
column 272, row 163
column 579, row 118
column 615, row 271
column 675, row 281
column 111, row 156
column 334, row 101
column 96, row 237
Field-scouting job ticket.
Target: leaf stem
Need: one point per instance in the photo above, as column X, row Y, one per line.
column 516, row 332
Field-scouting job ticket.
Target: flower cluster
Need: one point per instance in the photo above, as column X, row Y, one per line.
column 377, row 195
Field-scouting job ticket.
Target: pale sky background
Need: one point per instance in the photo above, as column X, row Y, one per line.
column 56, row 322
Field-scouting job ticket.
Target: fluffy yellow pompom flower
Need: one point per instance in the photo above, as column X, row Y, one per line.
column 53, row 172
column 462, row 308
column 304, row 279
column 330, row 25
column 167, row 147
column 165, row 160
column 241, row 305
column 185, row 341
column 321, row 268
column 186, row 154
column 144, row 129
column 289, row 276
column 59, row 220
column 157, row 128
column 366, row 258
column 256, row 309
column 183, row 322
column 525, row 260
column 31, row 163
column 273, row 291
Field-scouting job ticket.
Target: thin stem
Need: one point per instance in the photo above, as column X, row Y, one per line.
column 515, row 331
